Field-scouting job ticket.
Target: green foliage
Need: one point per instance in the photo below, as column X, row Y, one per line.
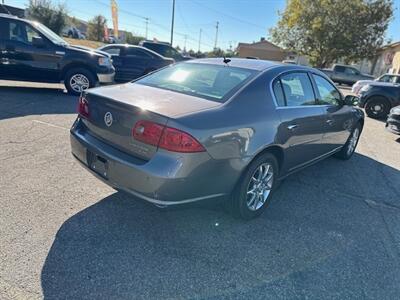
column 327, row 30
column 95, row 31
column 52, row 16
column 132, row 39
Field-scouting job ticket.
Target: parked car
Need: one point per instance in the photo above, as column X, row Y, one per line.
column 131, row 62
column 206, row 129
column 378, row 99
column 32, row 52
column 385, row 79
column 393, row 120
column 345, row 74
column 165, row 50
column 73, row 32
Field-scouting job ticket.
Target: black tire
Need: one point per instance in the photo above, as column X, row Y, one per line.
column 238, row 203
column 377, row 107
column 87, row 77
column 345, row 153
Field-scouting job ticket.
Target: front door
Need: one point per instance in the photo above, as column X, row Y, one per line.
column 339, row 119
column 24, row 61
column 301, row 127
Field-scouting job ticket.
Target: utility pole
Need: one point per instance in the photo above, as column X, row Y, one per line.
column 199, row 40
column 172, row 22
column 216, row 35
column 147, row 26
column 184, row 47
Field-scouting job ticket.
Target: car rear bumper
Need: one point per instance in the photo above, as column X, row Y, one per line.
column 393, row 125
column 167, row 179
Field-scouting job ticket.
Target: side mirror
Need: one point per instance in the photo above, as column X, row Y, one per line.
column 38, row 42
column 351, row 100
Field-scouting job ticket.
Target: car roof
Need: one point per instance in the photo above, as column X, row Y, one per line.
column 252, row 64
column 133, row 46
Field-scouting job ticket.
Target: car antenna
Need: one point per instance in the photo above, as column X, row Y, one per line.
column 226, row 60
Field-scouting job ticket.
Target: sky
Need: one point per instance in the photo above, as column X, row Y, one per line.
column 239, row 20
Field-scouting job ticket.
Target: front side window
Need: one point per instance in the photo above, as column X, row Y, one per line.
column 297, row 89
column 212, row 82
column 384, row 78
column 328, row 94
column 351, row 71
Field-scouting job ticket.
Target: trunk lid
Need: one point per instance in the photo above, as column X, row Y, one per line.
column 115, row 110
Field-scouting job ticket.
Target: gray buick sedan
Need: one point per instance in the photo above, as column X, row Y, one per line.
column 213, row 128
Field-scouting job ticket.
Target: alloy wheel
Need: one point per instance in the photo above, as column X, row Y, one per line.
column 79, row 83
column 259, row 187
column 353, row 141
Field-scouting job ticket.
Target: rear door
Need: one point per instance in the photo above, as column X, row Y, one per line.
column 135, row 62
column 301, row 129
column 338, row 120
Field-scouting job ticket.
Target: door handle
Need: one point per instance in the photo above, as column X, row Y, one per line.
column 292, row 127
column 330, row 122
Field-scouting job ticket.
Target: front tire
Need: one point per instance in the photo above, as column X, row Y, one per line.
column 349, row 148
column 253, row 192
column 79, row 79
column 377, row 108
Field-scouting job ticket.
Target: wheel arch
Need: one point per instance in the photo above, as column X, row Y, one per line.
column 275, row 150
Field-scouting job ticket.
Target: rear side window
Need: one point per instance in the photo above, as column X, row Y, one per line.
column 297, row 89
column 340, row 69
column 130, row 51
column 112, row 50
column 212, row 82
column 278, row 91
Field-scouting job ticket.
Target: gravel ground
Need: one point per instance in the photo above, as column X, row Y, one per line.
column 332, row 231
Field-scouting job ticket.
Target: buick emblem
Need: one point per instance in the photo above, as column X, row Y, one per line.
column 108, row 119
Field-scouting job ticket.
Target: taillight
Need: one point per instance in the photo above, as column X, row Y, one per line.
column 147, row 132
column 178, row 141
column 83, row 107
column 164, row 137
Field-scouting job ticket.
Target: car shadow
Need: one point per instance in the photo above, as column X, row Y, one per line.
column 327, row 233
column 23, row 101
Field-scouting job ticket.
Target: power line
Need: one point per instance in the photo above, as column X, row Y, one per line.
column 229, row 16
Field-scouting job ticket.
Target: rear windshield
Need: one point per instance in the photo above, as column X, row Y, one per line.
column 212, row 82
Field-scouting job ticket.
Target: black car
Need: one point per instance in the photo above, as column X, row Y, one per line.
column 393, row 121
column 164, row 49
column 131, row 62
column 379, row 99
column 29, row 51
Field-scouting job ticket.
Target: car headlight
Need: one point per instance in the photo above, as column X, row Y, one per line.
column 365, row 88
column 104, row 61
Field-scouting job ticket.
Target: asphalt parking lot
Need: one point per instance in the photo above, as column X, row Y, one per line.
column 332, row 231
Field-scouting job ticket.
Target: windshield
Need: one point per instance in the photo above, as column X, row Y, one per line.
column 212, row 82
column 52, row 36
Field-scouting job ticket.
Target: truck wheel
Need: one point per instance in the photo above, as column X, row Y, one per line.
column 377, row 108
column 79, row 79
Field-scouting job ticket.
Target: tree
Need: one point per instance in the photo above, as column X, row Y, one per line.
column 96, row 27
column 327, row 30
column 52, row 16
column 133, row 39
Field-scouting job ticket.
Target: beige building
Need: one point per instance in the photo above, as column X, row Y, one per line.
column 262, row 50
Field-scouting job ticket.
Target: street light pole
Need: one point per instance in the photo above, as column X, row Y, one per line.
column 147, row 27
column 199, row 39
column 216, row 35
column 172, row 22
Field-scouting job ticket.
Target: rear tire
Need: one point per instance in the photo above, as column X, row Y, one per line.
column 78, row 79
column 254, row 191
column 349, row 148
column 377, row 107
